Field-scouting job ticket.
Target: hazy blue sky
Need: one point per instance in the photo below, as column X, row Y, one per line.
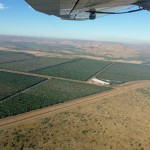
column 17, row 18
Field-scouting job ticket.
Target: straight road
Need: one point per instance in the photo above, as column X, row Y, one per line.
column 42, row 76
column 102, row 70
column 7, row 122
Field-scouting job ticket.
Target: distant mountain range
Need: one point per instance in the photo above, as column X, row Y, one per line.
column 135, row 53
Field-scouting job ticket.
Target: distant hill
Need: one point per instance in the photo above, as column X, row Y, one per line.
column 122, row 52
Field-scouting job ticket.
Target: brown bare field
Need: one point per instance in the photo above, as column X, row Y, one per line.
column 3, row 48
column 109, row 51
column 37, row 53
column 96, row 53
column 117, row 120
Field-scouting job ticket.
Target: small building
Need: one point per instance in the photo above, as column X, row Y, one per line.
column 97, row 81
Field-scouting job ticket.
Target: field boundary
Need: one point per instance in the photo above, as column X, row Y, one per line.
column 19, row 60
column 106, row 68
column 97, row 73
column 43, row 76
column 57, row 64
column 9, row 121
column 19, row 91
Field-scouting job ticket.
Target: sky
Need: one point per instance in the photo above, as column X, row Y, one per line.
column 17, row 18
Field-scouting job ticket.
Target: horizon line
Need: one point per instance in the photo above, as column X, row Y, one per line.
column 138, row 42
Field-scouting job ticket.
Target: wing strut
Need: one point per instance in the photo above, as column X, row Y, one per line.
column 76, row 3
column 126, row 12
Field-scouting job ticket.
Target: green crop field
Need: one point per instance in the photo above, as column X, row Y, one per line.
column 81, row 69
column 33, row 64
column 11, row 83
column 47, row 93
column 6, row 56
column 124, row 72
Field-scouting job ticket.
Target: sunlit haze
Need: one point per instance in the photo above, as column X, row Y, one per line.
column 18, row 18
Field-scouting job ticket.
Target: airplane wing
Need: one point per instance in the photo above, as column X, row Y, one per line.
column 84, row 9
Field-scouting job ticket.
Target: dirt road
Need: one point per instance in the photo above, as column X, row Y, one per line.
column 6, row 122
column 94, row 76
column 42, row 76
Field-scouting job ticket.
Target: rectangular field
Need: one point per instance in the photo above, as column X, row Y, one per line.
column 33, row 64
column 11, row 83
column 81, row 69
column 6, row 56
column 38, row 46
column 45, row 94
column 124, row 72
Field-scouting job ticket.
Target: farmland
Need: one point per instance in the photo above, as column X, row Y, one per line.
column 52, row 78
column 81, row 69
column 116, row 122
column 11, row 83
column 47, row 93
column 35, row 45
column 13, row 56
column 33, row 64
column 124, row 72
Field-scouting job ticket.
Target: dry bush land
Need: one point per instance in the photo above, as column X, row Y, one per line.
column 78, row 48
column 118, row 122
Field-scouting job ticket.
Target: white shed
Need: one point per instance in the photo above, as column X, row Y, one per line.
column 95, row 80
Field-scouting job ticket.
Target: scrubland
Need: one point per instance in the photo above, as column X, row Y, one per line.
column 118, row 122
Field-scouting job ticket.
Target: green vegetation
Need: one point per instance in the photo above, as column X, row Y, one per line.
column 124, row 72
column 145, row 92
column 38, row 46
column 81, row 69
column 11, row 83
column 33, row 64
column 48, row 93
column 6, row 56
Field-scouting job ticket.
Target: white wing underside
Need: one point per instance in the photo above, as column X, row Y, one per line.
column 76, row 9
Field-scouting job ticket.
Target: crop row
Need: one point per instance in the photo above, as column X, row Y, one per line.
column 124, row 72
column 33, row 64
column 45, row 94
column 82, row 69
column 13, row 56
column 11, row 83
